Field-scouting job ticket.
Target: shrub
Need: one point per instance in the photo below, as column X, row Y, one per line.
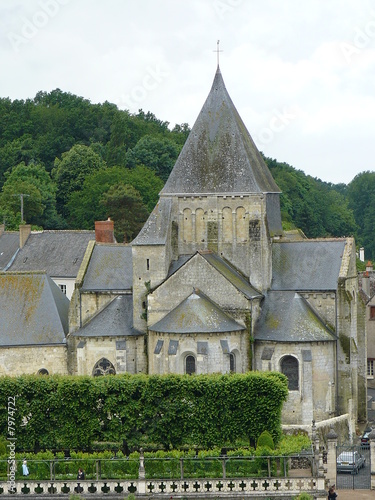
column 304, row 496
column 265, row 440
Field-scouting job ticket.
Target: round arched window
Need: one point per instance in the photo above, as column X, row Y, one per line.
column 232, row 362
column 289, row 367
column 190, row 365
column 43, row 371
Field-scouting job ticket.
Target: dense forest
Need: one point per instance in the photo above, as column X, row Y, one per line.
column 71, row 162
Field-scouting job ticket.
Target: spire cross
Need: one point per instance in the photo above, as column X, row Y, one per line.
column 218, row 51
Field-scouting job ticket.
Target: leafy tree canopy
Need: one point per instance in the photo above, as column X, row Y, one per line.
column 84, row 207
column 361, row 196
column 34, row 184
column 159, row 154
column 124, row 205
column 70, row 172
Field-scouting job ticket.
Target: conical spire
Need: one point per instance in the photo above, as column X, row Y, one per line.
column 219, row 155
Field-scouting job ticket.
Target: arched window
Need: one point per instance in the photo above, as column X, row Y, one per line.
column 187, row 226
column 227, row 225
column 43, row 371
column 241, row 232
column 200, row 226
column 190, row 365
column 103, row 367
column 289, row 367
column 232, row 362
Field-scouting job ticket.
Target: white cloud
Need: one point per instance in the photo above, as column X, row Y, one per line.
column 310, row 63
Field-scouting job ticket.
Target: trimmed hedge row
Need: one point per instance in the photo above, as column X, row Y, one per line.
column 162, row 464
column 66, row 412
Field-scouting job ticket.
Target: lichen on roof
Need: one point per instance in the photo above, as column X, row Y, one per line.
column 34, row 311
column 287, row 317
column 197, row 314
column 219, row 155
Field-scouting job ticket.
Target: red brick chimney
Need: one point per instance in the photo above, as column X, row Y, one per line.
column 104, row 231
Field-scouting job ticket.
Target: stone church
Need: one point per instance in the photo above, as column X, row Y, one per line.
column 212, row 284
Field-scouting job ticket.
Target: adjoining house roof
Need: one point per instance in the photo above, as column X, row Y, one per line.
column 219, row 155
column 197, row 314
column 34, row 311
column 223, row 267
column 307, row 265
column 9, row 244
column 110, row 268
column 59, row 253
column 114, row 320
column 155, row 229
column 288, row 317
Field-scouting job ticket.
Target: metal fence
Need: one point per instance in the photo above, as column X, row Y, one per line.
column 222, row 467
column 353, row 467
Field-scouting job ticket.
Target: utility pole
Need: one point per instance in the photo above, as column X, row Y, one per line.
column 21, row 195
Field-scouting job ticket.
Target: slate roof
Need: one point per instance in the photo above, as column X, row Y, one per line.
column 110, row 268
column 231, row 274
column 197, row 314
column 155, row 229
column 9, row 244
column 34, row 311
column 114, row 320
column 288, row 317
column 224, row 268
column 59, row 253
column 307, row 265
column 219, row 155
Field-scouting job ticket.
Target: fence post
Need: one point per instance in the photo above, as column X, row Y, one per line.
column 51, row 469
column 97, row 469
column 372, row 457
column 224, row 468
column 331, row 474
column 141, row 473
column 182, row 468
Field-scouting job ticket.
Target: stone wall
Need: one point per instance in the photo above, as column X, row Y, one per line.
column 200, row 274
column 315, row 397
column 344, row 426
column 213, row 360
column 28, row 360
column 126, row 354
column 232, row 226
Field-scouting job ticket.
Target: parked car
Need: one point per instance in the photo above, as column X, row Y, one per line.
column 365, row 440
column 350, row 461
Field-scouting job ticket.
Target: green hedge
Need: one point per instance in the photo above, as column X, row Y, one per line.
column 69, row 412
column 241, row 462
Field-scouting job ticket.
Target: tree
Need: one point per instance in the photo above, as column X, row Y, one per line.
column 124, row 205
column 70, row 172
column 38, row 192
column 157, row 153
column 361, row 196
column 310, row 204
column 84, row 207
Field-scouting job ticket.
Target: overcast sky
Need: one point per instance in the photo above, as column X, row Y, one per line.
column 300, row 73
